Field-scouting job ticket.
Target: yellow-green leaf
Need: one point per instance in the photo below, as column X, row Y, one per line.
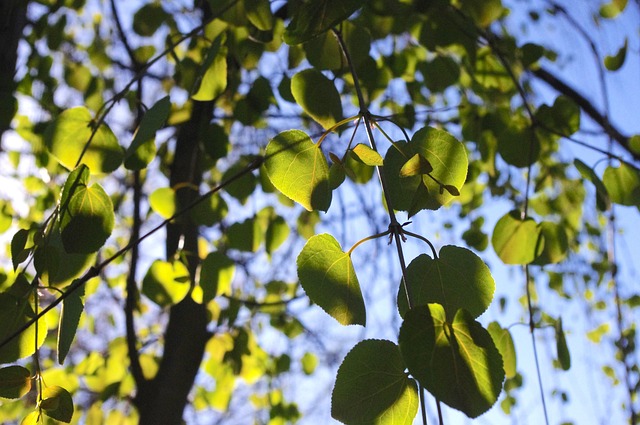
column 67, row 138
column 327, row 275
column 298, row 168
column 166, row 283
column 456, row 361
column 143, row 147
column 372, row 387
column 318, row 97
column 57, row 403
column 213, row 80
column 517, row 241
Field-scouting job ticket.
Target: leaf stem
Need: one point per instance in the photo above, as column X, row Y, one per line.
column 422, row 238
column 368, row 238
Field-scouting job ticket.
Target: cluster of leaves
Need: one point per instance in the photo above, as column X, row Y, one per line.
column 337, row 57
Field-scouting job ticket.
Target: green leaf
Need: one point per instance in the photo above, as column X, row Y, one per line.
column 216, row 274
column 602, row 196
column 148, row 19
column 318, row 97
column 163, row 202
column 55, row 266
column 563, row 118
column 517, row 241
column 213, row 80
column 326, row 274
column 87, row 220
column 297, row 168
column 243, row 187
column 210, row 211
column 143, row 147
column 634, row 143
column 456, row 279
column 18, row 252
column 504, row 343
column 372, row 387
column 556, row 243
column 166, row 283
column 623, row 184
column 367, row 155
column 416, row 166
column 277, row 233
column 612, row 9
column 564, row 357
column 456, row 362
column 313, row 18
column 309, row 363
column 245, row 236
column 33, row 418
column 435, row 148
column 57, row 403
column 14, row 313
column 614, row 63
column 259, row 14
column 15, row 381
column 483, row 12
column 356, row 169
column 72, row 308
column 68, row 134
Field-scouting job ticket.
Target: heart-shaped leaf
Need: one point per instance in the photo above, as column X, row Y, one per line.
column 372, row 387
column 457, row 361
column 326, row 273
column 216, row 275
column 298, row 168
column 457, row 279
column 367, row 155
column 68, row 135
column 556, row 244
column 318, row 97
column 517, row 241
column 87, row 219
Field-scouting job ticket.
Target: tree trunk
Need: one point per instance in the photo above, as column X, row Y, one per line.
column 13, row 17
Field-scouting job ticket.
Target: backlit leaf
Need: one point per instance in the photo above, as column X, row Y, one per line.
column 15, row 381
column 615, row 62
column 163, row 202
column 297, row 168
column 143, row 148
column 517, row 241
column 504, row 343
column 318, row 97
column 564, row 357
column 367, row 155
column 556, row 243
column 318, row 16
column 72, row 308
column 18, row 244
column 213, row 80
column 14, row 313
column 327, row 275
column 68, row 134
column 457, row 361
column 457, row 279
column 166, row 283
column 87, row 220
column 277, row 233
column 57, row 403
column 259, row 14
column 372, row 387
column 623, row 184
column 435, row 148
column 602, row 196
column 148, row 19
column 216, row 274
